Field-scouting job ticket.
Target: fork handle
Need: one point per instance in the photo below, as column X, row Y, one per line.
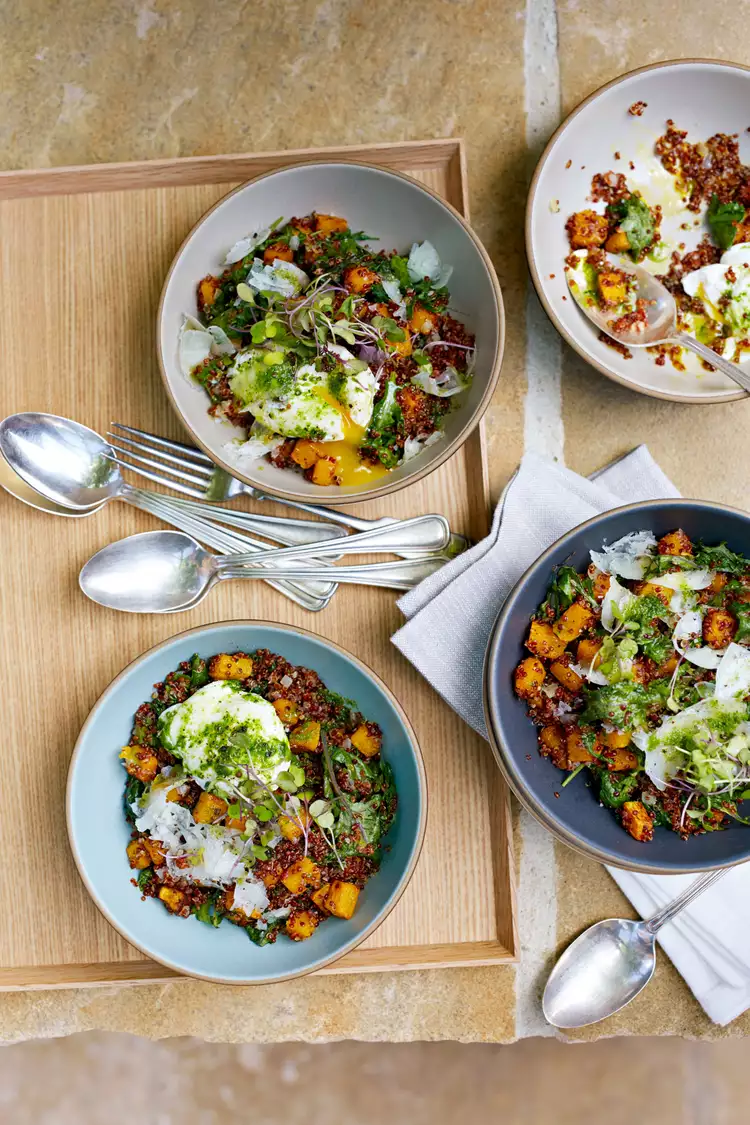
column 323, row 513
column 392, row 575
column 733, row 370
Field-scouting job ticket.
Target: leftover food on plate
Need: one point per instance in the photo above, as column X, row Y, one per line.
column 639, row 674
column 710, row 189
column 337, row 360
column 255, row 795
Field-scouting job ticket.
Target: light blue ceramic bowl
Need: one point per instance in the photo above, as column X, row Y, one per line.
column 99, row 832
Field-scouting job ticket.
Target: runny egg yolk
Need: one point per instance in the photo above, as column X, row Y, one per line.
column 351, row 470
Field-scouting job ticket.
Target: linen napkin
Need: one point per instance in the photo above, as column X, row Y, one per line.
column 450, row 618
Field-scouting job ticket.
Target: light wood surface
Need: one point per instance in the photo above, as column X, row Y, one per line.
column 84, row 253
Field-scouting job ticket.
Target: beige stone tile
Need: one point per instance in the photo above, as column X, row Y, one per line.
column 601, row 39
column 426, row 1084
column 701, row 448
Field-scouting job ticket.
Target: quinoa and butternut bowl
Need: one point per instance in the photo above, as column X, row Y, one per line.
column 617, row 687
column 261, row 818
column 652, row 169
column 331, row 331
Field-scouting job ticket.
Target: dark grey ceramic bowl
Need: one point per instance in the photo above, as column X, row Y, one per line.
column 574, row 815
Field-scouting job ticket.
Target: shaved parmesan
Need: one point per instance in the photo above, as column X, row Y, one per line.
column 424, row 262
column 733, row 673
column 627, row 556
column 685, row 580
column 246, row 245
column 260, row 441
column 449, row 383
column 615, row 602
column 280, row 277
column 222, row 344
column 250, row 896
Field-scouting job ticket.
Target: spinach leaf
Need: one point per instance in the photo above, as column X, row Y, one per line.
column 624, row 704
column 134, row 790
column 741, row 611
column 636, row 221
column 264, row 937
column 144, row 877
column 616, row 788
column 720, row 557
column 723, row 220
column 198, row 672
column 567, row 585
column 642, row 623
column 209, row 911
column 386, row 427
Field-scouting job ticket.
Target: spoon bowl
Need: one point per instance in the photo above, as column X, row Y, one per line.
column 599, row 973
column 66, row 462
column 17, row 487
column 661, row 321
column 155, row 572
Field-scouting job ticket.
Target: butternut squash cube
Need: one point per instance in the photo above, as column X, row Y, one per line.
column 138, row 855
column 675, row 543
column 287, row 711
column 359, row 279
column 650, row 590
column 617, row 243
column 637, row 820
column 325, row 472
column 566, row 676
column 306, row 736
column 529, row 677
column 572, row 623
column 319, row 897
column 140, row 762
column 301, row 925
column 238, row 823
column 421, row 321
column 365, row 741
column 552, row 741
column 329, row 224
column 400, row 347
column 175, row 901
column 601, row 585
column 586, row 229
column 230, row 666
column 305, row 453
column 278, row 251
column 290, row 827
column 612, row 287
column 617, row 740
column 341, row 899
column 719, row 627
column 622, row 760
column 587, row 652
column 578, row 751
column 209, row 809
column 544, row 642
column 303, row 875
column 155, row 850
column 207, row 290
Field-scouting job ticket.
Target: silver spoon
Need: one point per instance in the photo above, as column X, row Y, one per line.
column 74, row 468
column 166, row 572
column 661, row 313
column 610, row 963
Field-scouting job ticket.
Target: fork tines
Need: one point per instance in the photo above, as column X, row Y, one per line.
column 184, row 468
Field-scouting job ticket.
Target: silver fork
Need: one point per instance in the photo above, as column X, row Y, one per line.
column 190, row 471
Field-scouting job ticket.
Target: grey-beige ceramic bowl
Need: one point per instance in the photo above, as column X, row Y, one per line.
column 99, row 833
column 702, row 96
column 397, row 211
column 573, row 814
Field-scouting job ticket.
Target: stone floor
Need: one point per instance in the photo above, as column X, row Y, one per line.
column 95, row 1078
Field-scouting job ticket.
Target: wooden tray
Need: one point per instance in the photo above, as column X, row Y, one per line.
column 84, row 254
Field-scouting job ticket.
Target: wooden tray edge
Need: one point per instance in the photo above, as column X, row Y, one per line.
column 187, row 170
column 393, row 959
column 448, row 154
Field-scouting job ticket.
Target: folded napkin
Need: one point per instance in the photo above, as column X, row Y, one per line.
column 450, row 618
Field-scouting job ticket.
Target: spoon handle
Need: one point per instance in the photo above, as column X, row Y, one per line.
column 688, row 895
column 733, row 370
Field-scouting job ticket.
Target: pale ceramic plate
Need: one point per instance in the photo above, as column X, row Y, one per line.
column 99, row 833
column 703, row 97
column 388, row 205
